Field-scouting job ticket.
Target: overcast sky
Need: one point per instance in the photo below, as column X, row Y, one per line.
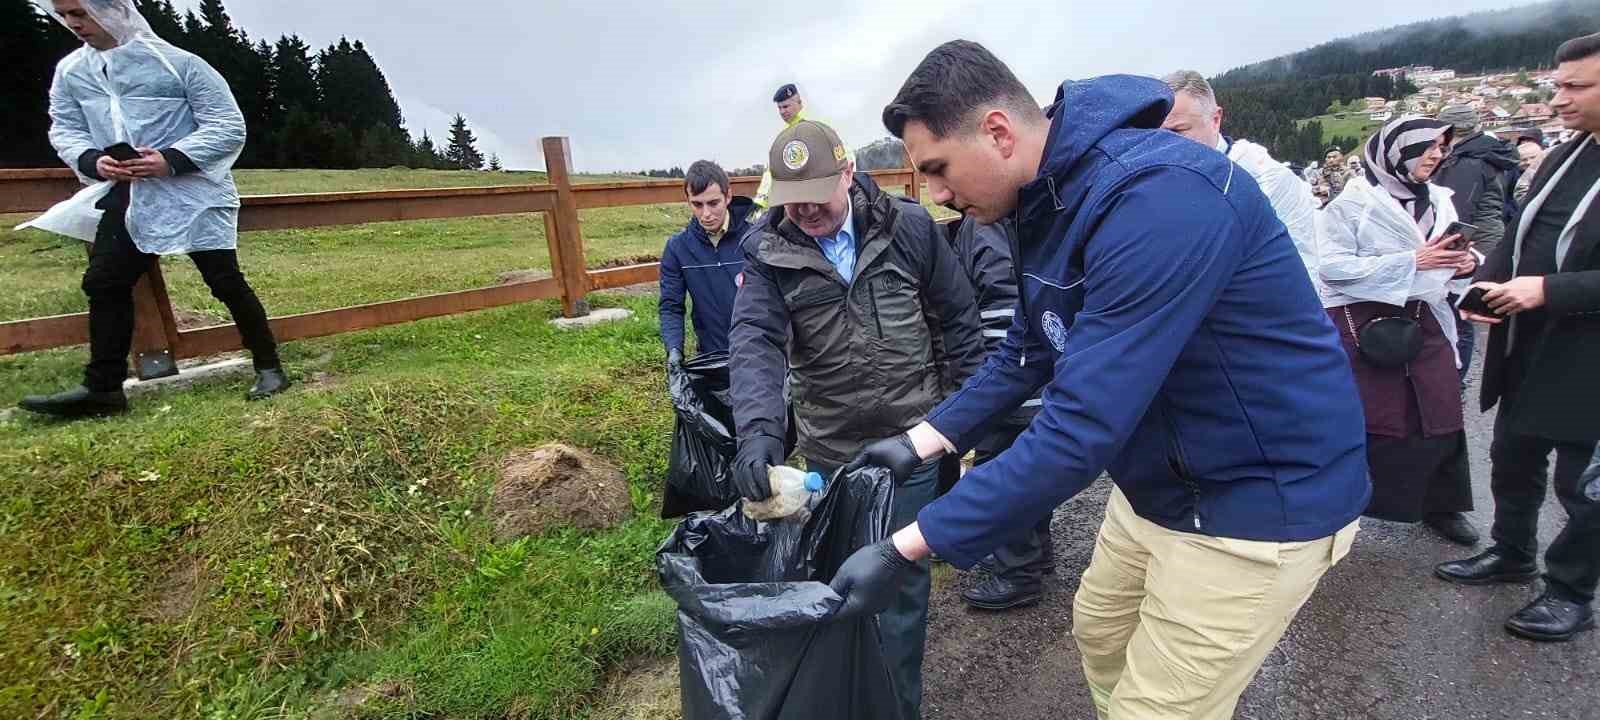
column 654, row 84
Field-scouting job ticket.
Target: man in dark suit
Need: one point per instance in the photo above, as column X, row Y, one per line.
column 1543, row 368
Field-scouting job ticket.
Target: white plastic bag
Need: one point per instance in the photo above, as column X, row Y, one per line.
column 76, row 216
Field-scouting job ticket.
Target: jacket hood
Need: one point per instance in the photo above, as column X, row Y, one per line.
column 1085, row 111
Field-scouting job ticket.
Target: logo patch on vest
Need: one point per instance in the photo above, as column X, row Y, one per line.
column 1055, row 330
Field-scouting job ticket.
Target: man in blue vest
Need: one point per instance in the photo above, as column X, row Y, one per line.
column 1180, row 346
column 704, row 260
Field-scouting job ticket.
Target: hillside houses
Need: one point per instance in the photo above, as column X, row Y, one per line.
column 1503, row 101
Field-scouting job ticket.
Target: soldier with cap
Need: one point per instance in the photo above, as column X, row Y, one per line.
column 792, row 109
column 856, row 296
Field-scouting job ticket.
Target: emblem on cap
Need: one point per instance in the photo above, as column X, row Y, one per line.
column 1055, row 330
column 795, row 155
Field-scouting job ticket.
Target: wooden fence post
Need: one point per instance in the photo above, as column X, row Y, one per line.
column 567, row 263
column 915, row 191
column 155, row 331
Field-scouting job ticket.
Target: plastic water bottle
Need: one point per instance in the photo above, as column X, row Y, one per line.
column 792, row 491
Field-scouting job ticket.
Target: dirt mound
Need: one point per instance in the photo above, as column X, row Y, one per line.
column 178, row 592
column 557, row 485
column 641, row 689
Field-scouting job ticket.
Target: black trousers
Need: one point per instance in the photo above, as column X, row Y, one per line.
column 115, row 266
column 1520, row 474
column 1023, row 560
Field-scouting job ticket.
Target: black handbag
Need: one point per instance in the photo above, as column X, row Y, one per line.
column 1388, row 341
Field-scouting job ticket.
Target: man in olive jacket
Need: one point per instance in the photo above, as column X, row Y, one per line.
column 859, row 299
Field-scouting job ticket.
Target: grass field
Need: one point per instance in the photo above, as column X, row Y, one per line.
column 1356, row 125
column 325, row 554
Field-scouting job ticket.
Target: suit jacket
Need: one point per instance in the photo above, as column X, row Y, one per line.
column 1559, row 398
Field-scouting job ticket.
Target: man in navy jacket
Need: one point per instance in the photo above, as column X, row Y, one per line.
column 705, row 260
column 1180, row 346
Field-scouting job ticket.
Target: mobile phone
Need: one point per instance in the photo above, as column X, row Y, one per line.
column 122, row 152
column 1473, row 302
column 1468, row 232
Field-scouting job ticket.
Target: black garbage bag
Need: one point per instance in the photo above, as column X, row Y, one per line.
column 699, row 473
column 756, row 640
column 700, row 470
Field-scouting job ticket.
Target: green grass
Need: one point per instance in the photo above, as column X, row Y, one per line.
column 1356, row 125
column 326, row 554
column 337, row 534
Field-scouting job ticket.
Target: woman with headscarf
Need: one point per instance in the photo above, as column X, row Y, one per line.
column 153, row 132
column 1387, row 267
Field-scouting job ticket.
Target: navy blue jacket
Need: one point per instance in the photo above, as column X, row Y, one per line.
column 710, row 274
column 1179, row 342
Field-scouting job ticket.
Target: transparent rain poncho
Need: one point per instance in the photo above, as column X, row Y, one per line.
column 1368, row 253
column 147, row 93
column 1289, row 196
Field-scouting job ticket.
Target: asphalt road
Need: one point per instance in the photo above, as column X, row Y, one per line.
column 1380, row 638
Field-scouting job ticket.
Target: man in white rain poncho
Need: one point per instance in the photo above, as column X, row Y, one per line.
column 176, row 196
column 1196, row 115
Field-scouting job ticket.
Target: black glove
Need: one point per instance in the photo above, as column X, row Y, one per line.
column 674, row 360
column 756, row 454
column 869, row 579
column 896, row 453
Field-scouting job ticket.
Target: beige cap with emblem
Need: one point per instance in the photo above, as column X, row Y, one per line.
column 806, row 161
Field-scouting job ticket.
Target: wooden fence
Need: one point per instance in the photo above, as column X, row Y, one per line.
column 159, row 344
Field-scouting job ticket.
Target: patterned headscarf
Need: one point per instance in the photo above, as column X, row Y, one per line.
column 1394, row 152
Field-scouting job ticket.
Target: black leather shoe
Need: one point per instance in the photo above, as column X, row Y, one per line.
column 1490, row 566
column 268, row 383
column 990, row 564
column 998, row 593
column 1452, row 526
column 1551, row 618
column 79, row 402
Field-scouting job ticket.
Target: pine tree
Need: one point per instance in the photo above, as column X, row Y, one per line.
column 30, row 45
column 427, row 155
column 294, row 75
column 463, row 151
column 383, row 146
column 494, row 163
column 164, row 20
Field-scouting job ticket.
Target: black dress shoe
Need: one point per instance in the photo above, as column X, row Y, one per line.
column 1452, row 526
column 268, row 383
column 991, row 564
column 1551, row 618
column 79, row 402
column 1490, row 566
column 998, row 593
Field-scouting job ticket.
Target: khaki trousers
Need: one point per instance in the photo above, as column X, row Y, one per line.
column 1174, row 625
